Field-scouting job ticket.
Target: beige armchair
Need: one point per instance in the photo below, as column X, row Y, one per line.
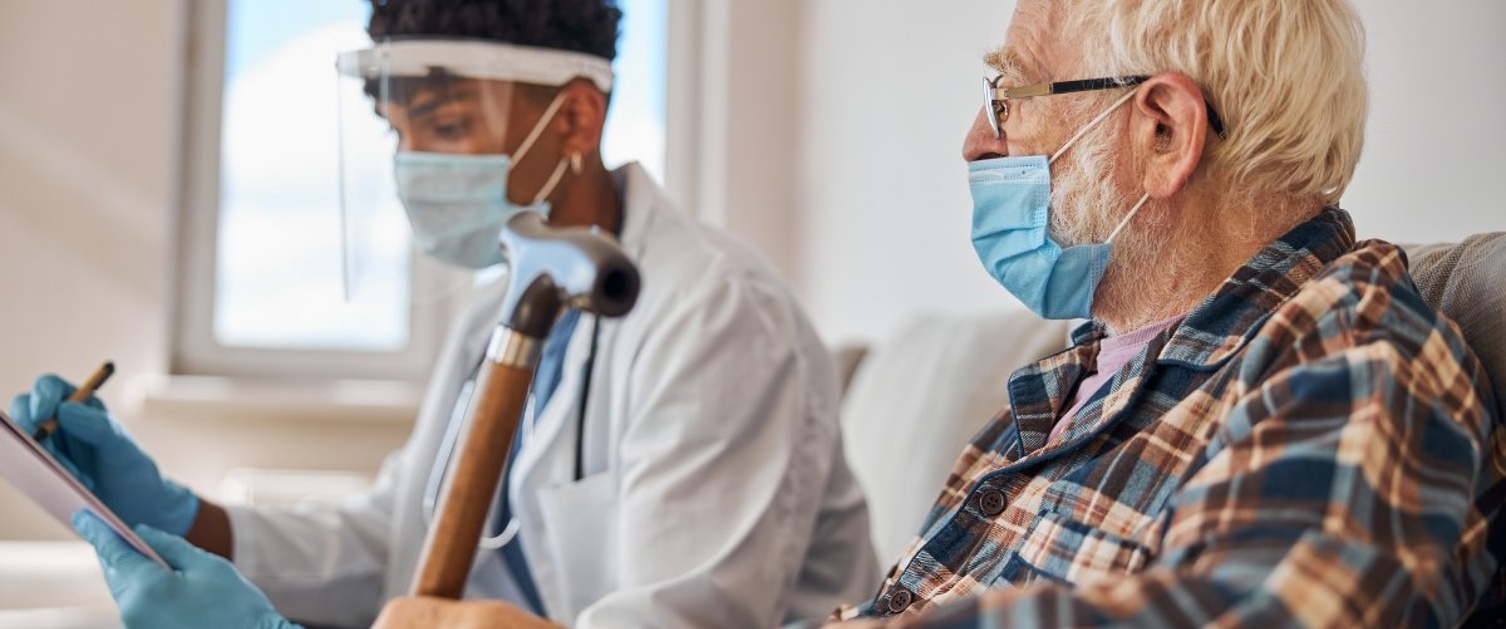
column 1467, row 282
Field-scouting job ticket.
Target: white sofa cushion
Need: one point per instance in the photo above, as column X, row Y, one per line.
column 53, row 585
column 916, row 400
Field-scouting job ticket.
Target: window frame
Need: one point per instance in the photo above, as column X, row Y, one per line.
column 195, row 350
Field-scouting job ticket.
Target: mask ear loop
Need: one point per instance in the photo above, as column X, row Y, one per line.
column 1125, row 223
column 554, row 180
column 533, row 136
column 1083, row 133
column 1089, row 127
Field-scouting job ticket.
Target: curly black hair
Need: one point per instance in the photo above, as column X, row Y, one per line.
column 588, row 26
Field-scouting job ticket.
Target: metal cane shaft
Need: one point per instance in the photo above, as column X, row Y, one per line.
column 491, row 426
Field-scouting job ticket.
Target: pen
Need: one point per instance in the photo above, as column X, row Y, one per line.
column 81, row 395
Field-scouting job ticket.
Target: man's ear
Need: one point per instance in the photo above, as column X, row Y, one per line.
column 1169, row 129
column 583, row 114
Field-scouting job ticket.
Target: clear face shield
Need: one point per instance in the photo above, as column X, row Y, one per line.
column 424, row 126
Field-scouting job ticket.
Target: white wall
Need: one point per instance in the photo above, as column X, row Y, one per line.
column 89, row 102
column 738, row 171
column 1434, row 163
column 889, row 87
column 86, row 125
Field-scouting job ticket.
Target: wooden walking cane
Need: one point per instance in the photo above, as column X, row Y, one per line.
column 552, row 268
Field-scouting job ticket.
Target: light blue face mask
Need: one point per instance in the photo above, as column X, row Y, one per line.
column 1011, row 233
column 457, row 204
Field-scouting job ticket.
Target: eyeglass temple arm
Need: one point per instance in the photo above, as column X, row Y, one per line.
column 1066, row 87
column 1088, row 85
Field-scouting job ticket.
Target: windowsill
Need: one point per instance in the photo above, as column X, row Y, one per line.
column 215, row 397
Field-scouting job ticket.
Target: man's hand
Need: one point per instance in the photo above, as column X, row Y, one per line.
column 423, row 612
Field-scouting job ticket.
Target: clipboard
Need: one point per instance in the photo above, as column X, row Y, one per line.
column 32, row 470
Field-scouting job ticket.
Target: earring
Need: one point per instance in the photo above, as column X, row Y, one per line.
column 575, row 164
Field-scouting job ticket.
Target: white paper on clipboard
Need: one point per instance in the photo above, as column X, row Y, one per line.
column 32, row 470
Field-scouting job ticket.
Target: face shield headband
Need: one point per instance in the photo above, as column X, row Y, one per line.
column 476, row 60
column 450, row 225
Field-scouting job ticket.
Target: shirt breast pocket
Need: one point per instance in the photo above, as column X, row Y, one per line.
column 579, row 525
column 1062, row 550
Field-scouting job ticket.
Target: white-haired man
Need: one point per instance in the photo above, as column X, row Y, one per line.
column 1264, row 425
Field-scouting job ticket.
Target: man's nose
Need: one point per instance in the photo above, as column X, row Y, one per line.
column 980, row 142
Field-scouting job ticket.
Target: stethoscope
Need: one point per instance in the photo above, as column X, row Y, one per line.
column 439, row 472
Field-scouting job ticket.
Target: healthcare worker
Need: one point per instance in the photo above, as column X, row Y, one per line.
column 680, row 467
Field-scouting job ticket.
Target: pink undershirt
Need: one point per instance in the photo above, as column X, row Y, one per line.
column 1114, row 353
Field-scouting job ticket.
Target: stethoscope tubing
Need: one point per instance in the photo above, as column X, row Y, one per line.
column 439, row 471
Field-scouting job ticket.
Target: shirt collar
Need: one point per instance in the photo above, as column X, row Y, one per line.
column 1225, row 322
column 1222, row 324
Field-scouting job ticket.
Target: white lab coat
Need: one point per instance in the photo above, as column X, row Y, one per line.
column 715, row 491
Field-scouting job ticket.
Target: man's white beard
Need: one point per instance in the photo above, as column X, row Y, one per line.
column 1092, row 191
column 1088, row 198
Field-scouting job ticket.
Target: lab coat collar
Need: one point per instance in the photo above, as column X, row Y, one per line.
column 556, row 427
column 641, row 199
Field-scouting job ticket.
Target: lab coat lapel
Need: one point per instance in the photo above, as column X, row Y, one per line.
column 479, row 330
column 546, row 462
column 547, row 455
column 547, row 458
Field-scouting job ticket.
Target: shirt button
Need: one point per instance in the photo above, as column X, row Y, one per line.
column 991, row 502
column 899, row 600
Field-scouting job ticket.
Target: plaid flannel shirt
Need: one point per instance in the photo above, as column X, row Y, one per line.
column 1312, row 446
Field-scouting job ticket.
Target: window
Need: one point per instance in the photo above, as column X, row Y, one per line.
column 260, row 289
column 635, row 129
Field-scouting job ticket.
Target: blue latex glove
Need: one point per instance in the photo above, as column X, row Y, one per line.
column 99, row 453
column 200, row 591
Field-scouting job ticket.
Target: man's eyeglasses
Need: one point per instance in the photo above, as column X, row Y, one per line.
column 996, row 99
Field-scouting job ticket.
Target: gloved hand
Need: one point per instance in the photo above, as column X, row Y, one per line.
column 98, row 452
column 200, row 591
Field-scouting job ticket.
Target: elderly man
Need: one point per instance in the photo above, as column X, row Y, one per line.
column 1264, row 425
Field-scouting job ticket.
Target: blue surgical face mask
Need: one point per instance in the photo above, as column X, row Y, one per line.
column 1011, row 234
column 457, row 204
